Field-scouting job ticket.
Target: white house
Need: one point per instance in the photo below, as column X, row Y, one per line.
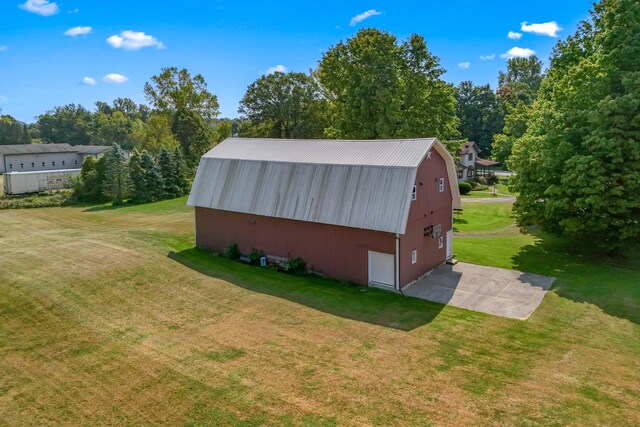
column 470, row 162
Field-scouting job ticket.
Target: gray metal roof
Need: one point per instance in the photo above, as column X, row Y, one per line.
column 360, row 184
column 92, row 149
column 379, row 152
column 36, row 149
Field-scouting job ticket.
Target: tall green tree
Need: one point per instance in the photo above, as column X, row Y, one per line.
column 385, row 89
column 169, row 173
column 193, row 134
column 183, row 173
column 12, row 131
column 480, row 114
column 117, row 182
column 578, row 164
column 154, row 134
column 71, row 124
column 284, row 105
column 521, row 81
column 173, row 90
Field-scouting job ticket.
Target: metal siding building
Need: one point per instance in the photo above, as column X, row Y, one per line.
column 331, row 202
column 45, row 157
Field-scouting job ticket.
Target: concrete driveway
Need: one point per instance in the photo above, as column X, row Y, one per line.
column 506, row 293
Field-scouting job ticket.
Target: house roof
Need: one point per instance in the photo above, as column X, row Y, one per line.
column 36, row 149
column 485, row 162
column 360, row 184
column 464, row 149
column 51, row 148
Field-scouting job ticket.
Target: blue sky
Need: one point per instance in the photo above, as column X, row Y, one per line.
column 231, row 43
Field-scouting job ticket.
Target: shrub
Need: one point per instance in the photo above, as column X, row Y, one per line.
column 465, row 187
column 493, row 180
column 255, row 256
column 231, row 252
column 482, row 180
column 296, row 265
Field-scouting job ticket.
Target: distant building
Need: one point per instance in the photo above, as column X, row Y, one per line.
column 46, row 157
column 374, row 212
column 469, row 163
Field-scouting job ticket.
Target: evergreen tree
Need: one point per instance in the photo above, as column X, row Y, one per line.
column 117, row 183
column 183, row 174
column 25, row 138
column 193, row 134
column 152, row 178
column 578, row 164
column 169, row 172
column 138, row 178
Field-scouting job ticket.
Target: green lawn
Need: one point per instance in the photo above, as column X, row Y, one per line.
column 109, row 316
column 501, row 191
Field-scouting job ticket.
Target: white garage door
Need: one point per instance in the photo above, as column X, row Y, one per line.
column 381, row 270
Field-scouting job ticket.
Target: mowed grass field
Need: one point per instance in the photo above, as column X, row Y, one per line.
column 108, row 316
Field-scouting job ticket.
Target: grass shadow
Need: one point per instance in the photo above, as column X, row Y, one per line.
column 342, row 299
column 584, row 275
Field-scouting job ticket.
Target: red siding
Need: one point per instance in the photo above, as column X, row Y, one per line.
column 338, row 252
column 431, row 207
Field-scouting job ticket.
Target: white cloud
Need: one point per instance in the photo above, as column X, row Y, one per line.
column 3, row 98
column 514, row 35
column 464, row 65
column 518, row 52
column 3, row 48
column 41, row 7
column 91, row 81
column 134, row 40
column 364, row 15
column 78, row 31
column 115, row 78
column 276, row 69
column 488, row 57
column 547, row 29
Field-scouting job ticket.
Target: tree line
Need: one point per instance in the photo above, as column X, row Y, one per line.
column 138, row 178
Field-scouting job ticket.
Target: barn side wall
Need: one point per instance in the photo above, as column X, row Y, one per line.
column 431, row 207
column 335, row 251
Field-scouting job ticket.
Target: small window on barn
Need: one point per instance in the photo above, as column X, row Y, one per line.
column 437, row 231
column 33, row 165
column 21, row 165
column 63, row 163
column 414, row 256
column 470, row 156
column 441, row 185
column 10, row 165
column 53, row 163
column 42, row 164
column 414, row 193
column 440, row 242
column 76, row 162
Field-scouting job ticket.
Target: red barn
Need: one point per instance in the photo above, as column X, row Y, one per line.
column 376, row 212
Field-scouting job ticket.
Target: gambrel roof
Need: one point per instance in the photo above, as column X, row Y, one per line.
column 362, row 184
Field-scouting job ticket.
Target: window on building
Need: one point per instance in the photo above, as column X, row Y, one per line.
column 10, row 165
column 440, row 242
column 53, row 163
column 460, row 173
column 21, row 165
column 470, row 156
column 42, row 164
column 414, row 256
column 76, row 162
column 414, row 193
column 470, row 173
column 441, row 185
column 63, row 163
column 33, row 165
column 437, row 230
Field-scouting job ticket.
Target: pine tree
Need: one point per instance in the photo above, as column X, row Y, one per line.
column 182, row 173
column 117, row 183
column 169, row 174
column 152, row 178
column 138, row 179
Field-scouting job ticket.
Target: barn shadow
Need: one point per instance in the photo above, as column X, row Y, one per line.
column 342, row 299
column 584, row 275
